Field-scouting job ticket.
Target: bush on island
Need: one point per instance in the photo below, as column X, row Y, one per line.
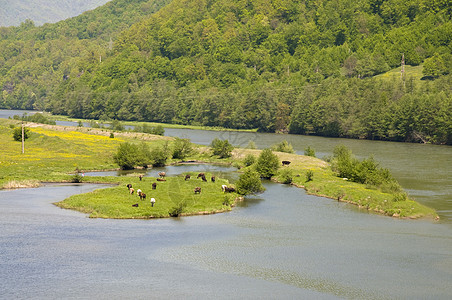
column 267, row 164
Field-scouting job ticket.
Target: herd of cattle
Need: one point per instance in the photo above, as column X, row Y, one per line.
column 197, row 190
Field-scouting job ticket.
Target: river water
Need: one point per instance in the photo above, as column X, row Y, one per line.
column 283, row 244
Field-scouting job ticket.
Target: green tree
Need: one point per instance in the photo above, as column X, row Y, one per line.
column 284, row 146
column 267, row 164
column 127, row 156
column 17, row 133
column 249, row 183
column 222, row 148
column 182, row 148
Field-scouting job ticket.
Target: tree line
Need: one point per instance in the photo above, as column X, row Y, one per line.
column 304, row 67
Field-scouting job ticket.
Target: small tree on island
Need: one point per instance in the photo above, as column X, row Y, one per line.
column 182, row 148
column 221, row 148
column 17, row 133
column 249, row 183
column 267, row 164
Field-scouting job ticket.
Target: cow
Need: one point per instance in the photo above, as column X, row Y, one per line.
column 223, row 187
column 129, row 186
column 197, row 190
column 187, row 177
column 141, row 177
column 135, row 205
column 131, row 190
column 212, row 178
column 161, row 179
column 142, row 196
column 229, row 190
column 285, row 162
column 162, row 174
column 201, row 175
column 154, row 185
column 152, row 202
column 204, row 178
column 138, row 192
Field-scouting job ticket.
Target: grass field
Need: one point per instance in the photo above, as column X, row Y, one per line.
column 414, row 72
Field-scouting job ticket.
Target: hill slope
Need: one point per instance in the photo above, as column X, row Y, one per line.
column 43, row 11
column 290, row 66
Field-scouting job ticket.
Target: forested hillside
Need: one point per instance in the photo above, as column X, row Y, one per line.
column 295, row 66
column 12, row 13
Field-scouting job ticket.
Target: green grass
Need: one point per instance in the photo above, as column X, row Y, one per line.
column 410, row 72
column 175, row 192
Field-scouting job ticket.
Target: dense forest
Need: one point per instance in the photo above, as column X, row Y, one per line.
column 304, row 67
column 12, row 13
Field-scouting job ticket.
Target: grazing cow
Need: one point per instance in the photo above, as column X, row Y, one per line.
column 229, row 190
column 197, row 190
column 285, row 162
column 138, row 192
column 162, row 174
column 152, row 202
column 204, row 178
column 212, row 178
column 161, row 179
column 135, row 205
column 187, row 177
column 131, row 190
column 129, row 186
column 223, row 187
column 154, row 186
column 142, row 196
column 141, row 177
column 201, row 175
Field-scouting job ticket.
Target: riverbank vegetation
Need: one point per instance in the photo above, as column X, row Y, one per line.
column 305, row 67
column 58, row 153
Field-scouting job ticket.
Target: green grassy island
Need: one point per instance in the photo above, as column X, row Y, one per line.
column 54, row 153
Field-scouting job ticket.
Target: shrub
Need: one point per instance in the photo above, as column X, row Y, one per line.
column 112, row 136
column 286, row 176
column 159, row 156
column 221, row 148
column 249, row 183
column 182, row 148
column 284, row 146
column 178, row 209
column 249, row 160
column 127, row 156
column 309, row 175
column 117, row 125
column 267, row 164
column 17, row 133
column 251, row 145
column 309, row 151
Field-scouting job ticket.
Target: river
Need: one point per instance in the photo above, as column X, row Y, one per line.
column 281, row 244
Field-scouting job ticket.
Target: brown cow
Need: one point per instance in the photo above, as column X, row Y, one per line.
column 212, row 178
column 142, row 196
column 229, row 189
column 204, row 178
column 285, row 162
column 161, row 179
column 162, row 174
column 154, row 186
column 131, row 190
column 201, row 175
column 197, row 190
column 187, row 177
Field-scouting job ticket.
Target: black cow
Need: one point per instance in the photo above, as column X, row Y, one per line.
column 197, row 190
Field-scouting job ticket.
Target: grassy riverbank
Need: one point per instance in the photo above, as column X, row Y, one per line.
column 53, row 153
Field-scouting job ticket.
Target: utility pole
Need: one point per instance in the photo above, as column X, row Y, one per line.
column 402, row 71
column 23, row 138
